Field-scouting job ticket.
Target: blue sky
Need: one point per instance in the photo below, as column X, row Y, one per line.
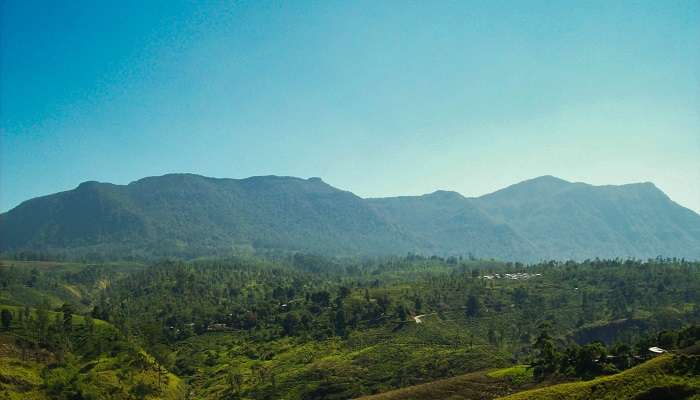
column 380, row 98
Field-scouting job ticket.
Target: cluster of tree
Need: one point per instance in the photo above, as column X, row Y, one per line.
column 595, row 358
column 308, row 298
column 69, row 344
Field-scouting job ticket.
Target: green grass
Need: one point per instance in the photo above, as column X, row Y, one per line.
column 371, row 361
column 84, row 373
column 472, row 386
column 657, row 378
column 518, row 374
column 108, row 378
column 20, row 380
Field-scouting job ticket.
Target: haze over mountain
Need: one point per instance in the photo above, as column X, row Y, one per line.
column 189, row 215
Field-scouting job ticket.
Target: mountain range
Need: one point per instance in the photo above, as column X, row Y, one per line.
column 188, row 215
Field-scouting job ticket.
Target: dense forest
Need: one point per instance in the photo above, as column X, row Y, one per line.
column 303, row 326
column 188, row 216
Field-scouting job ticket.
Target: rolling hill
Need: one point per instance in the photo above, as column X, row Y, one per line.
column 187, row 215
column 665, row 377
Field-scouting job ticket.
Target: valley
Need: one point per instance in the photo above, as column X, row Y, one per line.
column 310, row 327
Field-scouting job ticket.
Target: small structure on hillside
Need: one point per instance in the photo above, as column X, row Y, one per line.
column 657, row 350
column 218, row 327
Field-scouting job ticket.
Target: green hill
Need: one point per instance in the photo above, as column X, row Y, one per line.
column 92, row 360
column 577, row 220
column 473, row 386
column 664, row 377
column 187, row 216
column 447, row 223
column 309, row 327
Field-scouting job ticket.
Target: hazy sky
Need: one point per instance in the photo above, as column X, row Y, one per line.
column 378, row 97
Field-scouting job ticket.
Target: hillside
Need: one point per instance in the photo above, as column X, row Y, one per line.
column 186, row 215
column 254, row 328
column 448, row 223
column 189, row 215
column 665, row 377
column 577, row 220
column 479, row 385
column 49, row 356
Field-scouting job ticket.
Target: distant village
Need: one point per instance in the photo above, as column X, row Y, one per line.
column 514, row 276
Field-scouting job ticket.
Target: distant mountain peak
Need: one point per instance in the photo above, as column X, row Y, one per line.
column 445, row 194
column 545, row 179
column 546, row 184
column 87, row 184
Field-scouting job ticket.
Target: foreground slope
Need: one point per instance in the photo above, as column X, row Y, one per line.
column 665, row 377
column 479, row 385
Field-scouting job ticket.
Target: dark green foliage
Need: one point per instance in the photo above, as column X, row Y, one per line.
column 301, row 326
column 6, row 318
column 546, row 357
column 67, row 311
column 188, row 215
column 473, row 308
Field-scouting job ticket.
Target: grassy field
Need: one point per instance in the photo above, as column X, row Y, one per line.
column 473, row 386
column 664, row 377
column 332, row 368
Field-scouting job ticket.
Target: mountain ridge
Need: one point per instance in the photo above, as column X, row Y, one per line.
column 189, row 215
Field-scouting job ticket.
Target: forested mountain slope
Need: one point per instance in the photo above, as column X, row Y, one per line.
column 577, row 220
column 448, row 223
column 186, row 215
column 190, row 215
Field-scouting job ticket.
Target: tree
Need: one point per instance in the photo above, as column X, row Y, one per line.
column 321, row 298
column 279, row 294
column 623, row 356
column 343, row 292
column 473, row 306
column 340, row 323
column 590, row 359
column 401, row 313
column 6, row 316
column 667, row 339
column 493, row 337
column 42, row 322
column 96, row 312
column 90, row 325
column 519, row 296
column 67, row 310
column 235, row 382
column 546, row 357
column 290, row 324
column 383, row 301
column 417, row 303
